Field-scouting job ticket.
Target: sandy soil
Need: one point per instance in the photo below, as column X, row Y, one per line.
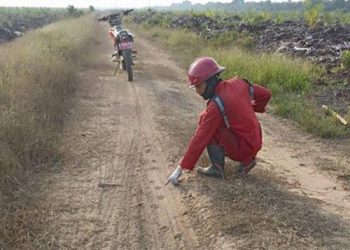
column 123, row 139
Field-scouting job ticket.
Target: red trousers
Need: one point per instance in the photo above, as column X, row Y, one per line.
column 235, row 147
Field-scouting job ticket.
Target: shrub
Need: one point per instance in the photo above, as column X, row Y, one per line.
column 314, row 11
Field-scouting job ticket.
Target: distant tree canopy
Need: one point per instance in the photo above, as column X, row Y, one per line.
column 72, row 11
column 91, row 8
column 267, row 5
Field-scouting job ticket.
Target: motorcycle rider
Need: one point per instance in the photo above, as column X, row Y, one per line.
column 228, row 126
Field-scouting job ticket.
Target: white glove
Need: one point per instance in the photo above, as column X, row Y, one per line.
column 174, row 177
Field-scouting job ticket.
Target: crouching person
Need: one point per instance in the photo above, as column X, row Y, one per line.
column 228, row 126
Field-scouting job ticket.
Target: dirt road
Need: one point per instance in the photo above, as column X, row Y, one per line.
column 122, row 141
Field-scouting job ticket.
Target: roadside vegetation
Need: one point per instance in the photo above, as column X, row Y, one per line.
column 26, row 17
column 37, row 75
column 291, row 80
column 8, row 14
column 346, row 59
column 30, row 12
column 14, row 21
column 313, row 10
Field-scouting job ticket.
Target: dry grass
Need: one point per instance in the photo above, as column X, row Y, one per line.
column 37, row 75
column 259, row 213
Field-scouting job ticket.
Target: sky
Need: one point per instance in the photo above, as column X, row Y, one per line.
column 97, row 3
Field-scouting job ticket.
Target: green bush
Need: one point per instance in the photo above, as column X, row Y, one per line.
column 314, row 11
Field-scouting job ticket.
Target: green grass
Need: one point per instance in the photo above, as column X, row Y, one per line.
column 231, row 39
column 309, row 116
column 290, row 80
column 37, row 75
column 345, row 59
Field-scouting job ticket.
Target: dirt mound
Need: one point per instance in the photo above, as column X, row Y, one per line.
column 321, row 44
column 198, row 24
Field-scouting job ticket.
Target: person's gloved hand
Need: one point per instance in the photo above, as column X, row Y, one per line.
column 174, row 177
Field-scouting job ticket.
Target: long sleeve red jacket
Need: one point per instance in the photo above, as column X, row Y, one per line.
column 240, row 112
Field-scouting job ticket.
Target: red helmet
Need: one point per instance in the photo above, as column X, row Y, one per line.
column 202, row 69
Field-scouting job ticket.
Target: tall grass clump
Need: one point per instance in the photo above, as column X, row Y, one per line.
column 280, row 74
column 37, row 74
column 345, row 59
column 314, row 11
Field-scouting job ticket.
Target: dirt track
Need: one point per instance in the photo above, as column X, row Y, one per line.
column 123, row 140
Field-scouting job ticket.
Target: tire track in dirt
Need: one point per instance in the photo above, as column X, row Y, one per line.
column 169, row 207
column 116, row 200
column 131, row 200
column 147, row 213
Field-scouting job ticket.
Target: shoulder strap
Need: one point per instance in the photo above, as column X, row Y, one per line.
column 251, row 91
column 221, row 107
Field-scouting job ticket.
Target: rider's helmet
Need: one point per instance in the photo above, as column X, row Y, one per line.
column 202, row 69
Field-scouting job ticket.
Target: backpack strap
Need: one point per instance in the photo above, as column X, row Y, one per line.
column 251, row 91
column 221, row 107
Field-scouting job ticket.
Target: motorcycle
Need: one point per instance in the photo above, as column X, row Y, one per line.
column 123, row 42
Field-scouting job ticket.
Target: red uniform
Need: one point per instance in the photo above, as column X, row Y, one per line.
column 243, row 140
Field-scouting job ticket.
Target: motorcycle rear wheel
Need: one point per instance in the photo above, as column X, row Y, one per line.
column 128, row 64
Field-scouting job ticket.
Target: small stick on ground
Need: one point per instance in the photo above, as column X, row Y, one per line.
column 102, row 185
column 336, row 115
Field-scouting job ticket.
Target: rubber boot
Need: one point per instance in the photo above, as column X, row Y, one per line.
column 244, row 169
column 217, row 159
